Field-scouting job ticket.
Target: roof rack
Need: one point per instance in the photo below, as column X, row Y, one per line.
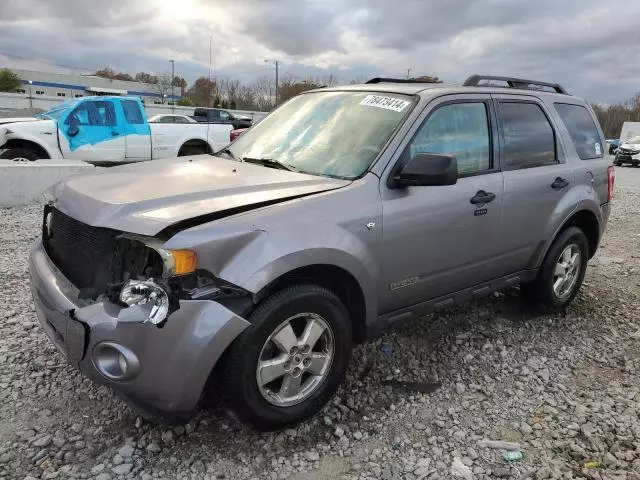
column 392, row 80
column 474, row 81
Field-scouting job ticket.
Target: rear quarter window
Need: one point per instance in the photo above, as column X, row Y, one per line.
column 132, row 112
column 582, row 129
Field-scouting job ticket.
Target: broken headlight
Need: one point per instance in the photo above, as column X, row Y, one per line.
column 146, row 299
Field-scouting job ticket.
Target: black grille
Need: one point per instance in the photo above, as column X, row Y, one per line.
column 84, row 254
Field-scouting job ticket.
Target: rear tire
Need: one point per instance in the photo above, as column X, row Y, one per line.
column 309, row 321
column 18, row 154
column 562, row 271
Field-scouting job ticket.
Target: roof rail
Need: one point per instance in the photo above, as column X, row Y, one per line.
column 392, row 80
column 474, row 81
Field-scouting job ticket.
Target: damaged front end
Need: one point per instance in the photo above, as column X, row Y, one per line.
column 131, row 270
column 130, row 314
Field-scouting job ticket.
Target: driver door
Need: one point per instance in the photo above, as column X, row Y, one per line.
column 441, row 239
column 92, row 133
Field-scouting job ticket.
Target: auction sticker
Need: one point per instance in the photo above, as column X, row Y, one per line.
column 389, row 103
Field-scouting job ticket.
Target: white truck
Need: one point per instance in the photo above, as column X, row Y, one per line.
column 105, row 130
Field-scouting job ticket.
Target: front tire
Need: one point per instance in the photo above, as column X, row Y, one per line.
column 291, row 360
column 19, row 154
column 562, row 271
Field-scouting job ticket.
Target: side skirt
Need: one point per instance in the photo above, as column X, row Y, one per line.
column 402, row 315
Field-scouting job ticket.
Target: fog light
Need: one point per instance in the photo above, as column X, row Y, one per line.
column 147, row 296
column 115, row 361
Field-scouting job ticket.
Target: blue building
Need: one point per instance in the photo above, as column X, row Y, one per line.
column 64, row 86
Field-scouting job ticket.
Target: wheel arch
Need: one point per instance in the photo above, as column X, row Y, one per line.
column 587, row 221
column 194, row 142
column 334, row 278
column 30, row 145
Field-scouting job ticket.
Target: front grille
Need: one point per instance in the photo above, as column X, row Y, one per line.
column 84, row 254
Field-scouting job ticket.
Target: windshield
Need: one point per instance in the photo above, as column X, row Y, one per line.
column 634, row 140
column 337, row 134
column 58, row 110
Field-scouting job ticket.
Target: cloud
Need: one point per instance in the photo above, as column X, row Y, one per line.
column 581, row 44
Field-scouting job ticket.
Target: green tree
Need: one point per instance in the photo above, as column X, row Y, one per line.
column 185, row 102
column 9, row 81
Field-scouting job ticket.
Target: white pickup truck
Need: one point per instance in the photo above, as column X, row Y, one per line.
column 105, row 130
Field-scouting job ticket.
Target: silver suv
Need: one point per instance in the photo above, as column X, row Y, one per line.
column 345, row 211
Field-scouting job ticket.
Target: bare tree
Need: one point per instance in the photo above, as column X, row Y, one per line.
column 611, row 117
column 163, row 87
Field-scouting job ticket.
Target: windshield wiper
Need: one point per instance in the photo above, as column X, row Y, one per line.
column 270, row 162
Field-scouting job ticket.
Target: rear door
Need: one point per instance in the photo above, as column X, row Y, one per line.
column 137, row 131
column 538, row 179
column 436, row 240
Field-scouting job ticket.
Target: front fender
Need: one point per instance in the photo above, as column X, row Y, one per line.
column 254, row 258
column 51, row 147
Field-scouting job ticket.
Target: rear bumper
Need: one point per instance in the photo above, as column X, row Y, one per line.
column 166, row 368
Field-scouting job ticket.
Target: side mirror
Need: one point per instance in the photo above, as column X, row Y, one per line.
column 428, row 169
column 73, row 130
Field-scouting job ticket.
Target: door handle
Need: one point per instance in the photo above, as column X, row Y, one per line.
column 559, row 183
column 482, row 197
column 115, row 134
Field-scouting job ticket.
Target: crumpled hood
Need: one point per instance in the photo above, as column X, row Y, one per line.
column 4, row 121
column 146, row 198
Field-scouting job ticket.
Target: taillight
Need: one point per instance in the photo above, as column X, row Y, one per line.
column 611, row 178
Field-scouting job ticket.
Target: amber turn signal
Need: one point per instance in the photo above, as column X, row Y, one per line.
column 184, row 261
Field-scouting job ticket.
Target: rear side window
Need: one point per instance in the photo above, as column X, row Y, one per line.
column 529, row 140
column 582, row 129
column 132, row 112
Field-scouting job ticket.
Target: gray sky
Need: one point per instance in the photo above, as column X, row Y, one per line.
column 589, row 46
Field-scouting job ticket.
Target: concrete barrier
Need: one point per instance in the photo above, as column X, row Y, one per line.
column 22, row 183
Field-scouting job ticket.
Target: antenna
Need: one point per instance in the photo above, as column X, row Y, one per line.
column 209, row 99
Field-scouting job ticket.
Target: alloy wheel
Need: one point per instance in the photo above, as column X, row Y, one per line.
column 295, row 359
column 567, row 271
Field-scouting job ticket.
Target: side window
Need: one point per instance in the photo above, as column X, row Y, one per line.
column 106, row 113
column 458, row 129
column 529, row 140
column 132, row 113
column 582, row 129
column 95, row 114
column 224, row 116
column 180, row 120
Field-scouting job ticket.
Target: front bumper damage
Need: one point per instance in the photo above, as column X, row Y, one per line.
column 163, row 368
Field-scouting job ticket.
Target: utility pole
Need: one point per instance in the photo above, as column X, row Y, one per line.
column 276, row 83
column 210, row 89
column 173, row 76
column 277, row 64
column 30, row 95
column 408, row 73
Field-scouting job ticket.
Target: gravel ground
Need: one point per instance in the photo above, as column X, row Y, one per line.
column 565, row 387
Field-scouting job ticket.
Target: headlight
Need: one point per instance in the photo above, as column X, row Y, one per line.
column 175, row 262
column 149, row 299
